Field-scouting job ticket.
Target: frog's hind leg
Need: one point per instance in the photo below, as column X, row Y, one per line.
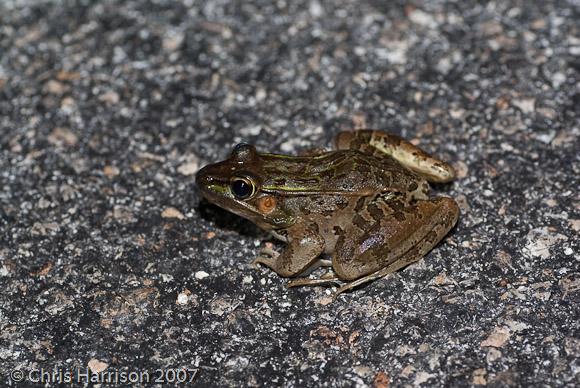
column 413, row 255
column 393, row 242
column 414, row 158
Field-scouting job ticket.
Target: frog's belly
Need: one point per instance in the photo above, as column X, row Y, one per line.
column 330, row 236
column 327, row 234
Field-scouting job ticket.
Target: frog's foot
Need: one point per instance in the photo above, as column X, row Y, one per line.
column 314, row 266
column 267, row 257
column 328, row 278
column 363, row 280
column 268, row 251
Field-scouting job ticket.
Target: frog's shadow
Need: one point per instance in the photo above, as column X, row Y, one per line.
column 438, row 188
column 225, row 220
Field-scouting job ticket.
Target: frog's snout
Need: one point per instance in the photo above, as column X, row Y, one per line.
column 203, row 180
column 201, row 176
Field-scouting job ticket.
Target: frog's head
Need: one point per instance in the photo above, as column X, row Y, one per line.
column 235, row 184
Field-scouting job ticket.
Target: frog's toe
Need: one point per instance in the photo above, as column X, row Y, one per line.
column 312, row 282
column 267, row 261
column 340, row 290
column 267, row 251
column 266, row 257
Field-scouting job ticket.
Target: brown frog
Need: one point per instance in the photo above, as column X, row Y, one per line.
column 365, row 204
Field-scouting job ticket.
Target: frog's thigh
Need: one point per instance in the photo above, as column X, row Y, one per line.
column 399, row 239
column 304, row 246
column 409, row 155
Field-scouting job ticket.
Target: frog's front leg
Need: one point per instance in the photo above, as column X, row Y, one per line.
column 387, row 244
column 304, row 245
column 414, row 158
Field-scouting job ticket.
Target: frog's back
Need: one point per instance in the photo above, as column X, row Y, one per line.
column 343, row 171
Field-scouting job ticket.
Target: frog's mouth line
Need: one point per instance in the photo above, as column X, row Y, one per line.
column 220, row 194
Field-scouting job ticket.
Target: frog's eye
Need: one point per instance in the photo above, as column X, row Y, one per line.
column 243, row 152
column 242, row 188
column 240, row 147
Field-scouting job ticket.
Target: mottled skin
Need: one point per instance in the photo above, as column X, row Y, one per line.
column 365, row 204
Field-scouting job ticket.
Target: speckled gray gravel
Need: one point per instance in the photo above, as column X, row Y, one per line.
column 109, row 261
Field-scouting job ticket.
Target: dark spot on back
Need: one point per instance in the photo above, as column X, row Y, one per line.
column 396, row 205
column 431, row 237
column 360, row 222
column 375, row 212
column 399, row 216
column 359, row 204
column 342, row 203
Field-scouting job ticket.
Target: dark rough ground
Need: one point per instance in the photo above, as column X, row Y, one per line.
column 108, row 108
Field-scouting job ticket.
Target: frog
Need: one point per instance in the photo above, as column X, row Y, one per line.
column 362, row 210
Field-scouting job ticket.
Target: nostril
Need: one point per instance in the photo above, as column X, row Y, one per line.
column 204, row 178
column 201, row 177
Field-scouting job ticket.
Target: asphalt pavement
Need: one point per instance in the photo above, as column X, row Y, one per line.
column 112, row 267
